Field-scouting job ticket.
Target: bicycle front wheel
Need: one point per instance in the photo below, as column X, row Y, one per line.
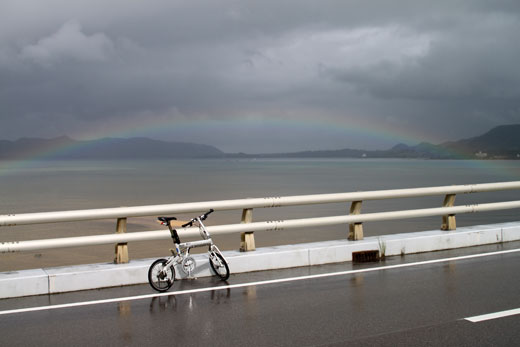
column 219, row 265
column 159, row 277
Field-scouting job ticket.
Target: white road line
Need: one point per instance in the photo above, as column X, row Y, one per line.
column 489, row 316
column 258, row 283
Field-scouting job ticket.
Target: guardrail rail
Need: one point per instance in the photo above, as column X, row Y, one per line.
column 247, row 227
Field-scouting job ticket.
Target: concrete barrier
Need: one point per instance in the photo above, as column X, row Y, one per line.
column 82, row 277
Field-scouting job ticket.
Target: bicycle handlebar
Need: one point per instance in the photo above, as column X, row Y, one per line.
column 202, row 217
column 190, row 223
column 205, row 215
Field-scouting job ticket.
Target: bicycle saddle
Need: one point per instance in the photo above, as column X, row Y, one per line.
column 166, row 219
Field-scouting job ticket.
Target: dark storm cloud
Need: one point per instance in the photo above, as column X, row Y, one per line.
column 445, row 69
column 464, row 65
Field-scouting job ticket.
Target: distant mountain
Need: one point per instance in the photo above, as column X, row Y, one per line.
column 422, row 150
column 106, row 148
column 500, row 142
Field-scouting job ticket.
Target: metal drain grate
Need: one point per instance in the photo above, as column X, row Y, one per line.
column 365, row 256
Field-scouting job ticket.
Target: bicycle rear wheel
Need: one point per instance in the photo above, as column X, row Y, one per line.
column 219, row 265
column 161, row 280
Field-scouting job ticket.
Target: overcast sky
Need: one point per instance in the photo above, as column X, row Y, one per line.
column 260, row 76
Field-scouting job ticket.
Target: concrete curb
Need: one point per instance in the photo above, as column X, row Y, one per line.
column 82, row 277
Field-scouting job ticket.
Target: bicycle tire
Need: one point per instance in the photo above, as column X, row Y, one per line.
column 160, row 284
column 222, row 269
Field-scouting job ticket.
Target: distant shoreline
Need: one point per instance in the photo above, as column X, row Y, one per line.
column 500, row 143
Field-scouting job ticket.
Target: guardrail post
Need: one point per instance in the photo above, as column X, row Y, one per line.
column 247, row 239
column 355, row 230
column 448, row 221
column 121, row 248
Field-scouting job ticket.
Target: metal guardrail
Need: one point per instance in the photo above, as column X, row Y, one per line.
column 247, row 227
column 222, row 205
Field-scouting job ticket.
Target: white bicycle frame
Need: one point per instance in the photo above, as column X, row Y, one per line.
column 183, row 249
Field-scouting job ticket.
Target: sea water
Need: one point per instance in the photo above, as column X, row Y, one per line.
column 39, row 186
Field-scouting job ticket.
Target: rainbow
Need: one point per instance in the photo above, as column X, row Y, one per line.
column 144, row 126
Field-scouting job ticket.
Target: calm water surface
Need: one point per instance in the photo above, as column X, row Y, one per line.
column 68, row 185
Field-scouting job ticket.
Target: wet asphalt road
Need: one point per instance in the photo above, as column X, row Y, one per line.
column 414, row 306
